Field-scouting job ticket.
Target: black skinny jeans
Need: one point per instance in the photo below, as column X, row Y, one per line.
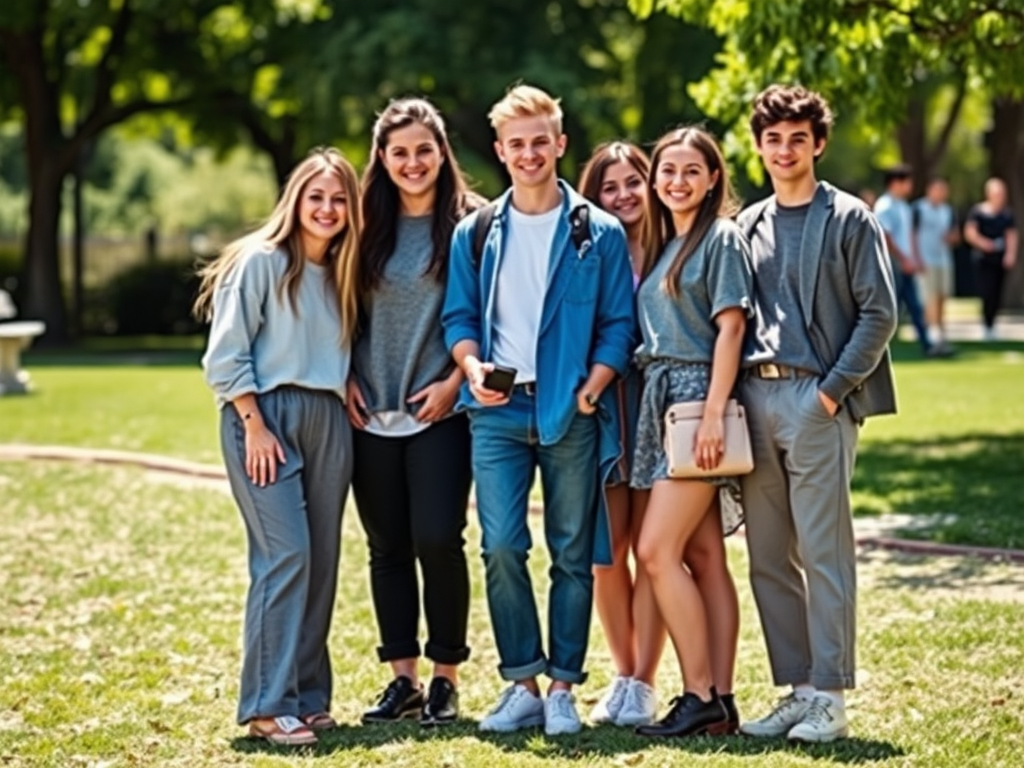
column 991, row 275
column 412, row 493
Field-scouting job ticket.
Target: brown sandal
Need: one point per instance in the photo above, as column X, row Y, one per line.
column 319, row 721
column 285, row 731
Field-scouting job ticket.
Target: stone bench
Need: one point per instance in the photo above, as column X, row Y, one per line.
column 14, row 337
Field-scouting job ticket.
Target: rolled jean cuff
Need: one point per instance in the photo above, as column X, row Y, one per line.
column 565, row 676
column 525, row 672
column 408, row 649
column 441, row 655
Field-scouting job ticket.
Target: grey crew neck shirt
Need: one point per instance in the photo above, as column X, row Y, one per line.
column 401, row 346
column 259, row 342
column 715, row 277
column 779, row 333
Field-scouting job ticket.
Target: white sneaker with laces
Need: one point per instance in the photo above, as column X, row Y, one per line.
column 516, row 708
column 640, row 705
column 560, row 714
column 824, row 721
column 789, row 711
column 609, row 705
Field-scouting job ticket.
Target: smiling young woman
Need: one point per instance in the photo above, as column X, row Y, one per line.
column 277, row 360
column 412, row 465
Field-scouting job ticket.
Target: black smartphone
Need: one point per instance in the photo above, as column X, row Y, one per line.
column 501, row 379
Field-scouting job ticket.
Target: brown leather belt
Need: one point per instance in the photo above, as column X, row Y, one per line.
column 777, row 371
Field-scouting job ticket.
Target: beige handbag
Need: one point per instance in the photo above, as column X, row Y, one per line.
column 681, row 423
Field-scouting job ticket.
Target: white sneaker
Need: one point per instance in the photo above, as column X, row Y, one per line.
column 560, row 714
column 824, row 721
column 607, row 708
column 640, row 705
column 788, row 712
column 517, row 708
column 989, row 334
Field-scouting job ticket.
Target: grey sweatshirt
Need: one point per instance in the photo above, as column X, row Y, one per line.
column 401, row 347
column 258, row 343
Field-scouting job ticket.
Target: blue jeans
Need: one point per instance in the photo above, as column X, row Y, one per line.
column 506, row 453
column 906, row 294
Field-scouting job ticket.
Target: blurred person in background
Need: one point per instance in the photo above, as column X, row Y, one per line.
column 936, row 232
column 991, row 231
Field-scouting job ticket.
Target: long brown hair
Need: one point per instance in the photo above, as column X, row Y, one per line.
column 606, row 155
column 381, row 203
column 659, row 229
column 282, row 230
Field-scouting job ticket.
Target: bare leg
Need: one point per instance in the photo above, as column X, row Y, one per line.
column 407, row 667
column 705, row 557
column 674, row 512
column 448, row 671
column 613, row 585
column 649, row 629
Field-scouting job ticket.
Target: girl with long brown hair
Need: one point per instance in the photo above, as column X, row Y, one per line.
column 693, row 302
column 412, row 456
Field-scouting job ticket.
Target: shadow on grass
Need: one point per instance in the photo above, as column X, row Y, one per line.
column 603, row 741
column 960, row 576
column 972, row 482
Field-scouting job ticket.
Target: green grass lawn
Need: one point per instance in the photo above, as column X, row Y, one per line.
column 120, row 608
column 956, row 449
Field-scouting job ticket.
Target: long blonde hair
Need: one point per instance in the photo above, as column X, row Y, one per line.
column 283, row 231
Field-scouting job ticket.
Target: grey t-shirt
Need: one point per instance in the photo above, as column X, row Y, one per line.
column 715, row 277
column 401, row 346
column 779, row 333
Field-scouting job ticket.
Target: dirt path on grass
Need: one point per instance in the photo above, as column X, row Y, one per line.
column 884, row 560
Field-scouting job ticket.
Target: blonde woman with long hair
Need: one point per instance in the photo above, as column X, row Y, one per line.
column 282, row 301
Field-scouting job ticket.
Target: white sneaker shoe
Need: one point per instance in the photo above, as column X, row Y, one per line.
column 609, row 705
column 640, row 705
column 517, row 708
column 824, row 721
column 560, row 714
column 787, row 713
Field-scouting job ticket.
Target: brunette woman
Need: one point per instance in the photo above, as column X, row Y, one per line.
column 412, row 468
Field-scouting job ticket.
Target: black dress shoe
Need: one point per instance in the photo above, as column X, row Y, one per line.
column 689, row 716
column 442, row 705
column 729, row 702
column 400, row 700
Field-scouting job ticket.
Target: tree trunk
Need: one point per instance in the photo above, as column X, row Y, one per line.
column 1006, row 160
column 44, row 298
column 912, row 140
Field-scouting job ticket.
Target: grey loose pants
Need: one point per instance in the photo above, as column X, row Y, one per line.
column 294, row 529
column 800, row 531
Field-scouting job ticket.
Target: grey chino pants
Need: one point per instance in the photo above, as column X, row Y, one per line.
column 293, row 529
column 800, row 531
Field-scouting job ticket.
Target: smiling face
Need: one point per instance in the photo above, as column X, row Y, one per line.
column 530, row 147
column 682, row 181
column 788, row 150
column 323, row 212
column 623, row 192
column 413, row 159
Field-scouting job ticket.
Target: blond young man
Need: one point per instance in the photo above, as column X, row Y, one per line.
column 561, row 315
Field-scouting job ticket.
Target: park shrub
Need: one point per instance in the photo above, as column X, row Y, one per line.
column 150, row 298
column 10, row 267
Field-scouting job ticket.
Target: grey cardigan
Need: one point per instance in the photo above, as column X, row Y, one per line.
column 847, row 297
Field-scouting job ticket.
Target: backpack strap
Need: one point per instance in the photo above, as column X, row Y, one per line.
column 579, row 220
column 481, row 228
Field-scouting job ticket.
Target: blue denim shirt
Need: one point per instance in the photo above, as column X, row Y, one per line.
column 588, row 315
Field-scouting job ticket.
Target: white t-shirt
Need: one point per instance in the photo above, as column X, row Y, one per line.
column 522, row 283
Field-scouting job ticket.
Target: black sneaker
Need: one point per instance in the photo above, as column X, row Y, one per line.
column 689, row 716
column 442, row 705
column 729, row 702
column 398, row 702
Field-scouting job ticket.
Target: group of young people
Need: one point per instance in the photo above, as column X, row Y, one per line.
column 920, row 237
column 405, row 336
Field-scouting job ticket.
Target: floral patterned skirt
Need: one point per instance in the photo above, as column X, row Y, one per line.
column 667, row 382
